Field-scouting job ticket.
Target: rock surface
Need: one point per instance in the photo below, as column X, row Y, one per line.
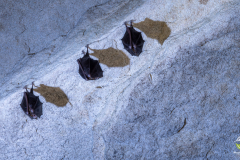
column 177, row 100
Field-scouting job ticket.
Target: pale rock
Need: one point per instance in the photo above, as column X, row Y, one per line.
column 179, row 100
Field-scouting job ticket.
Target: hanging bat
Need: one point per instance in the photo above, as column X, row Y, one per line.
column 31, row 104
column 132, row 40
column 89, row 69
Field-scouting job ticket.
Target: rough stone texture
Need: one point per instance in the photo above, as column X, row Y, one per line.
column 201, row 87
column 178, row 100
column 43, row 34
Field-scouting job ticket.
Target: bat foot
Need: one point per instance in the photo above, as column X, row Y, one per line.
column 131, row 21
column 33, row 83
column 25, row 87
column 87, row 48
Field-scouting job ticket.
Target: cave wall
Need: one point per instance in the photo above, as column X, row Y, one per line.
column 178, row 100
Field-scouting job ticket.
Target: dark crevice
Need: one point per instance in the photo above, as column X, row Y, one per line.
column 183, row 125
column 209, row 150
column 173, row 110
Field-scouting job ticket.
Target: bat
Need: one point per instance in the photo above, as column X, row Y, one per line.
column 31, row 104
column 89, row 69
column 132, row 40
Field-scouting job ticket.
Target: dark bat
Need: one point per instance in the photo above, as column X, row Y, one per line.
column 89, row 69
column 132, row 40
column 31, row 104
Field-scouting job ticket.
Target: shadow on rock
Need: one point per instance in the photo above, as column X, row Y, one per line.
column 154, row 29
column 111, row 57
column 53, row 95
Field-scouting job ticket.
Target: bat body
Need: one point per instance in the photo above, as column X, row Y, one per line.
column 89, row 69
column 31, row 104
column 132, row 40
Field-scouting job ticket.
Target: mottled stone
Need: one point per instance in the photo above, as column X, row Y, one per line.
column 177, row 100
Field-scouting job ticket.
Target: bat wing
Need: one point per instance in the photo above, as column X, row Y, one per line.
column 33, row 101
column 85, row 62
column 128, row 48
column 126, row 43
column 95, row 69
column 84, row 66
column 81, row 71
column 38, row 108
column 126, row 40
column 137, row 40
column 24, row 104
column 89, row 69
